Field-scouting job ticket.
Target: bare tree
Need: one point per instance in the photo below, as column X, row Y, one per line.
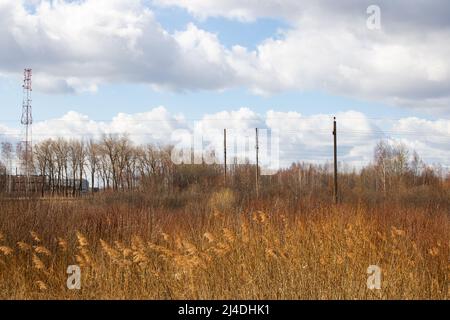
column 7, row 155
column 109, row 148
column 61, row 152
column 81, row 163
column 123, row 151
column 43, row 158
column 75, row 154
column 93, row 159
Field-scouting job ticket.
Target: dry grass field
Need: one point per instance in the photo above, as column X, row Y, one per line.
column 215, row 248
column 259, row 153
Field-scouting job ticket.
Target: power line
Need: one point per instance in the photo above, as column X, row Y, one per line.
column 242, row 119
column 303, row 130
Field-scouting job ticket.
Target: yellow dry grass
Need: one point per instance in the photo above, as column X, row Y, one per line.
column 322, row 254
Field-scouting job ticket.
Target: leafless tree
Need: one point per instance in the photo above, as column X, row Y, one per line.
column 93, row 159
column 110, row 149
column 43, row 158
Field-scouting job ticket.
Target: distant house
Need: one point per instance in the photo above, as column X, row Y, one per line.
column 20, row 184
column 84, row 184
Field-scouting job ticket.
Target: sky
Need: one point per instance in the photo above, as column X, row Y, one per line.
column 151, row 67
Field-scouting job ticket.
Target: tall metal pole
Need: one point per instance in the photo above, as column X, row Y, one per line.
column 336, row 198
column 27, row 121
column 257, row 164
column 225, row 155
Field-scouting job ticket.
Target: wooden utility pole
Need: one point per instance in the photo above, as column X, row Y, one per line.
column 336, row 200
column 225, row 155
column 257, row 164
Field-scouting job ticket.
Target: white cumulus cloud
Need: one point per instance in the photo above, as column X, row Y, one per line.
column 301, row 138
column 75, row 46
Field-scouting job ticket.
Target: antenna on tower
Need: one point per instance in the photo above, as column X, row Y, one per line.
column 27, row 121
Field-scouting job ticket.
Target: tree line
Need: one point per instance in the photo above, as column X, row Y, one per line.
column 115, row 163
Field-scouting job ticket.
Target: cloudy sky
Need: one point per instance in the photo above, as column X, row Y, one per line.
column 152, row 67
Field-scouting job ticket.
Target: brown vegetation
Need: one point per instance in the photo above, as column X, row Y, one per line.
column 267, row 251
column 176, row 232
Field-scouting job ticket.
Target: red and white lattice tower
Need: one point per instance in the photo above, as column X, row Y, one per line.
column 27, row 121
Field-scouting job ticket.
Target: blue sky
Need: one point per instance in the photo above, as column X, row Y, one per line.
column 111, row 99
column 230, row 32
column 100, row 58
column 134, row 98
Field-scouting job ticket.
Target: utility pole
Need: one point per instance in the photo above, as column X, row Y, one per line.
column 225, row 155
column 257, row 164
column 336, row 200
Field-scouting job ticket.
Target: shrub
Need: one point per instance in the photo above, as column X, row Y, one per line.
column 222, row 201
